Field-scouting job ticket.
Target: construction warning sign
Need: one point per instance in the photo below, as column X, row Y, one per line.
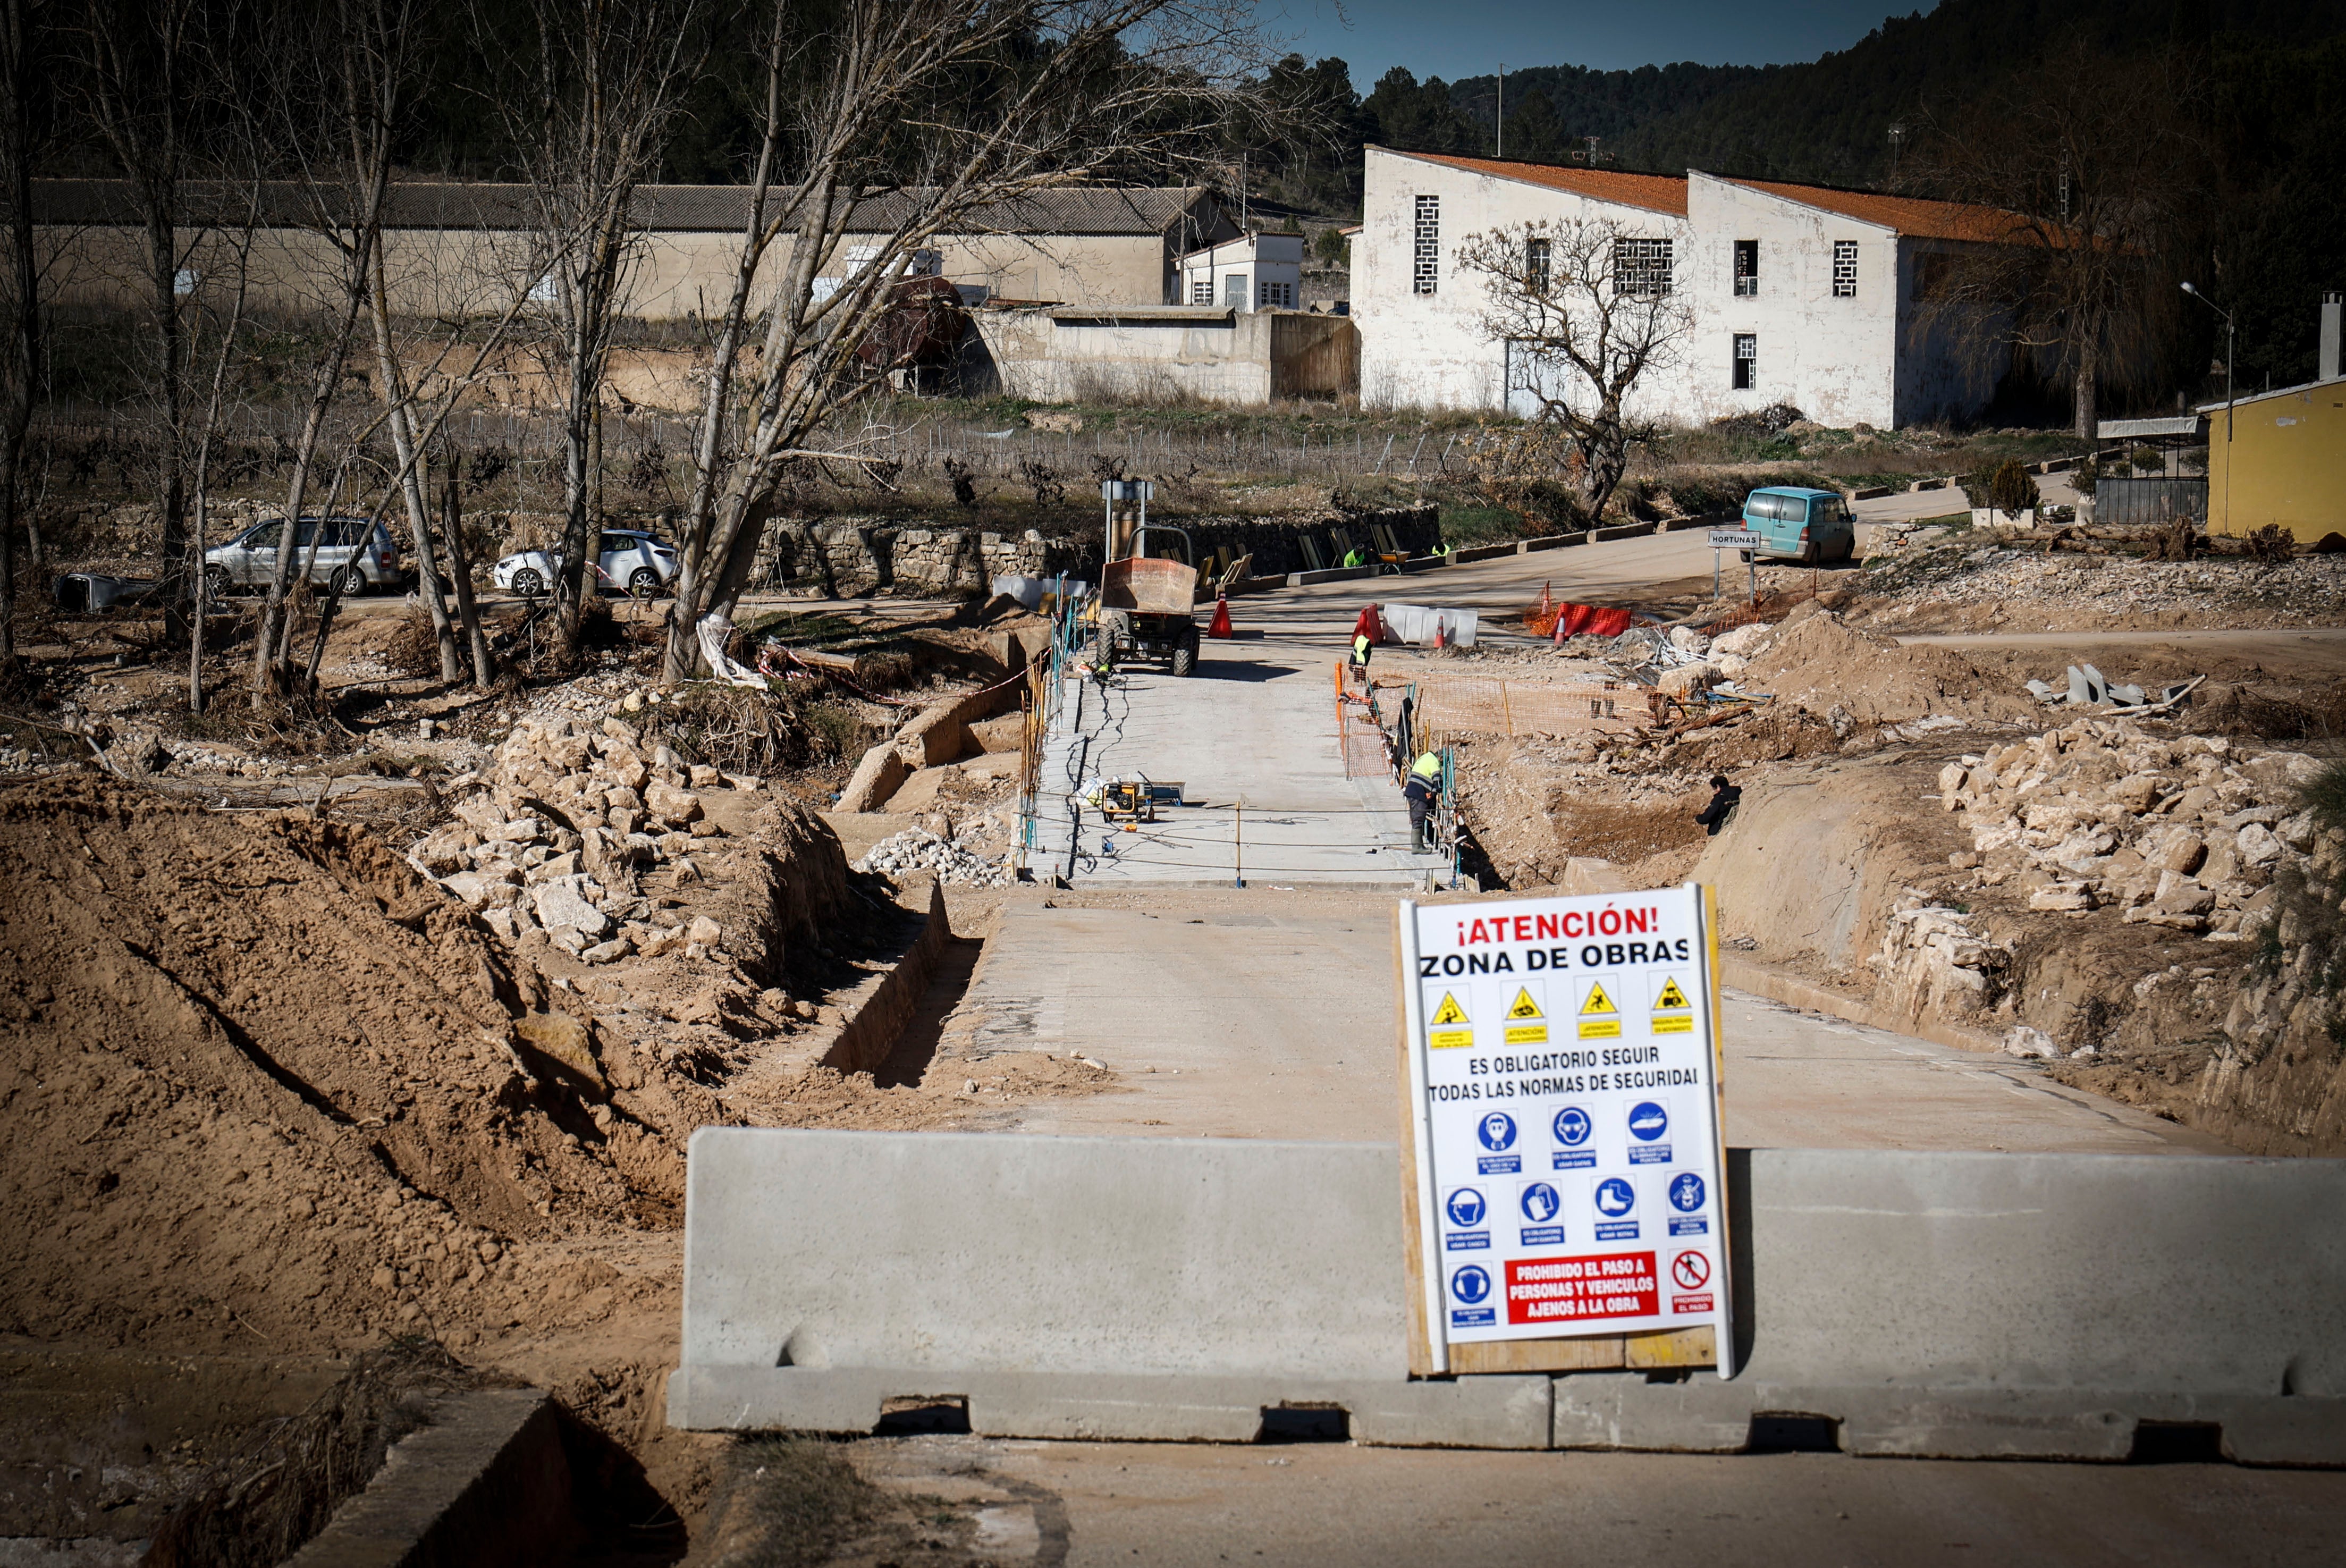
column 1579, row 1169
column 1672, row 1012
column 1526, row 1021
column 1600, row 1018
column 1450, row 1026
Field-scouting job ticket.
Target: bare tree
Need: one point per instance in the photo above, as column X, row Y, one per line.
column 900, row 123
column 141, row 61
column 332, row 98
column 2083, row 169
column 1584, row 307
column 606, row 81
column 21, row 22
column 241, row 244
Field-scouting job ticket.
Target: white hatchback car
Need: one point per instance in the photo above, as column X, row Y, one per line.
column 634, row 562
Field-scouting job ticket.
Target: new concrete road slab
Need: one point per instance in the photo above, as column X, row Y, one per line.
column 1266, row 1014
column 1310, row 1504
column 1252, row 739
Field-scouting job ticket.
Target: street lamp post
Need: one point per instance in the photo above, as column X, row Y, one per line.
column 2227, row 396
column 2227, row 355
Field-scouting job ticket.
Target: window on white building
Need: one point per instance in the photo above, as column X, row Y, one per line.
column 1641, row 268
column 1201, row 288
column 1536, row 251
column 1747, row 266
column 1747, row 360
column 1234, row 290
column 1845, row 269
column 1274, row 296
column 1426, row 262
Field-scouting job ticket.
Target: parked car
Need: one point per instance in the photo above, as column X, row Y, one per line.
column 352, row 557
column 635, row 562
column 1805, row 526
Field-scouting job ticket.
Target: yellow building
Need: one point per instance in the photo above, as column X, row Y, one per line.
column 2278, row 458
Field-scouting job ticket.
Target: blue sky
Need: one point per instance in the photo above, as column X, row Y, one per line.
column 1454, row 38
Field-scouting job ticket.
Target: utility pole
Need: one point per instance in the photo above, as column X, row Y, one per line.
column 1503, row 108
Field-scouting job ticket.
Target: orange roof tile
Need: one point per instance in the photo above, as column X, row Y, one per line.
column 1654, row 192
column 1914, row 215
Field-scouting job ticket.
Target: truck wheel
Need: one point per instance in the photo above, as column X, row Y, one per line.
column 1184, row 653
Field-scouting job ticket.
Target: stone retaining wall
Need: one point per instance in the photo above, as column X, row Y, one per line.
column 847, row 556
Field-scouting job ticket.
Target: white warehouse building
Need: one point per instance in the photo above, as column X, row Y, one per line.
column 1796, row 294
column 1255, row 271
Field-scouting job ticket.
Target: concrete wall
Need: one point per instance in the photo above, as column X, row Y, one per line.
column 444, row 272
column 2284, row 461
column 844, row 557
column 1929, row 1303
column 1169, row 353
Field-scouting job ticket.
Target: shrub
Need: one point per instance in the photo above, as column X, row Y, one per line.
column 2010, row 488
column 2088, row 476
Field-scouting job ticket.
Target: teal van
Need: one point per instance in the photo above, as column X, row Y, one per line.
column 1805, row 526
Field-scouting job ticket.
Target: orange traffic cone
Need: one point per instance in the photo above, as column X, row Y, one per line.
column 1547, row 599
column 1441, row 633
column 1221, row 626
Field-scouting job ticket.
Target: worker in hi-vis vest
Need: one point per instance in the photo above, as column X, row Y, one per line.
column 1424, row 788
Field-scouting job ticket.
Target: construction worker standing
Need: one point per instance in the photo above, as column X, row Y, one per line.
column 1423, row 788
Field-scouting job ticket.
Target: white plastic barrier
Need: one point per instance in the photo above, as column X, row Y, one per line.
column 1416, row 624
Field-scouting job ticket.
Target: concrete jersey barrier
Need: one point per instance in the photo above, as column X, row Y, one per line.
column 1953, row 1304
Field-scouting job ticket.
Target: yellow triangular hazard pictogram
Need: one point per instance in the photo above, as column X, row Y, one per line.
column 1449, row 1011
column 1524, row 1006
column 1598, row 1002
column 1671, row 996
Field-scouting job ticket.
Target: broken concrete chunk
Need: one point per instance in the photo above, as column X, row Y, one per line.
column 618, row 947
column 2182, row 852
column 1951, row 779
column 703, row 777
column 2259, row 845
column 704, row 930
column 564, row 905
column 2020, row 1040
column 671, row 805
column 555, row 868
column 2061, row 898
column 475, row 887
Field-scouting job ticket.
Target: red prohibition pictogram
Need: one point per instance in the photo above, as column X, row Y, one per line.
column 1690, row 1270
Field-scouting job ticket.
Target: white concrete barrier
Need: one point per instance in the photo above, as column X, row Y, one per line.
column 1922, row 1303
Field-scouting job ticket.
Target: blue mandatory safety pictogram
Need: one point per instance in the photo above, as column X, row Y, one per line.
column 1540, row 1203
column 1497, row 1131
column 1616, row 1197
column 1465, row 1206
column 1686, row 1192
column 1647, row 1121
column 1470, row 1284
column 1572, row 1127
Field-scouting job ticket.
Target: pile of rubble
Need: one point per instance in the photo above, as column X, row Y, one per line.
column 569, row 819
column 1963, row 572
column 918, row 850
column 2179, row 832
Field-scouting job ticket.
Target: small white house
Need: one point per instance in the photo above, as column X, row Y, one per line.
column 1795, row 294
column 1251, row 272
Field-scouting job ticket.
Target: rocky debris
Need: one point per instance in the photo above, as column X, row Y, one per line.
column 918, row 850
column 1932, row 951
column 1962, row 570
column 2182, row 833
column 560, row 832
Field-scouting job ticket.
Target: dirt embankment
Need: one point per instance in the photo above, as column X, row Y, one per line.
column 2114, row 898
column 261, row 1081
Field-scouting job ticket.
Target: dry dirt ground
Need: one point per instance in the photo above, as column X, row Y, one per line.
column 1841, row 854
column 271, row 1093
